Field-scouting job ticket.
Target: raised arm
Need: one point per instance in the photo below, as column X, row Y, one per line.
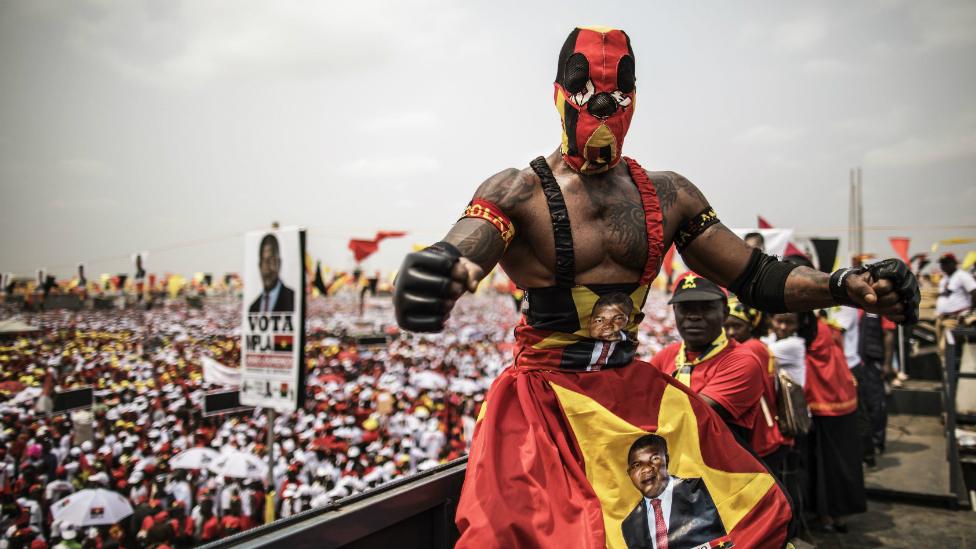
column 431, row 281
column 713, row 251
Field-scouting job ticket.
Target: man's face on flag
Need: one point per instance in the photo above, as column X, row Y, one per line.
column 700, row 322
column 648, row 470
column 270, row 264
column 608, row 321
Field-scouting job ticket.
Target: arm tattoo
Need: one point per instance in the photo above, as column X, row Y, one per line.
column 478, row 241
column 687, row 187
column 507, row 190
column 807, row 288
column 667, row 194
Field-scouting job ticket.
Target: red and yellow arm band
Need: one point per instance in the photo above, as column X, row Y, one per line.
column 482, row 209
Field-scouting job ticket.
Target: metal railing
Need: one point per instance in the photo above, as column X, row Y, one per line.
column 415, row 511
column 955, row 344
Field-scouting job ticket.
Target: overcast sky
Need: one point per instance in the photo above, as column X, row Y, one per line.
column 174, row 127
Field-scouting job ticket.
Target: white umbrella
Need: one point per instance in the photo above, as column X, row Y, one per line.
column 92, row 507
column 428, row 379
column 194, row 458
column 237, row 464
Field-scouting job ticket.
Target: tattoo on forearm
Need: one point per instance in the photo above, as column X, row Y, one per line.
column 478, row 241
column 807, row 288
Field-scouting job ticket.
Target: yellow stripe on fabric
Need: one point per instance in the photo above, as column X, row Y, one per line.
column 605, row 438
column 481, row 412
column 598, row 28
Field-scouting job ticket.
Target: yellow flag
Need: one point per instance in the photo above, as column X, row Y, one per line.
column 969, row 260
column 269, row 507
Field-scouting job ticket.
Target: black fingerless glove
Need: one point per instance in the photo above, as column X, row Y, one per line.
column 895, row 270
column 423, row 287
column 905, row 283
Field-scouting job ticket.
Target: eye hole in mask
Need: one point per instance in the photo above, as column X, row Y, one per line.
column 625, row 74
column 576, row 74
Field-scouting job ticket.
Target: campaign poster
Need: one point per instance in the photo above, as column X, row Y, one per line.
column 273, row 319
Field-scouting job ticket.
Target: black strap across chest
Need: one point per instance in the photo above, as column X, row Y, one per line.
column 562, row 235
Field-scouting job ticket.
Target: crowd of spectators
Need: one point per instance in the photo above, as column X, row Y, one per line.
column 373, row 413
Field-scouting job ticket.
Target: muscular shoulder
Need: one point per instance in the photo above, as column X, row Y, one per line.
column 508, row 189
column 679, row 197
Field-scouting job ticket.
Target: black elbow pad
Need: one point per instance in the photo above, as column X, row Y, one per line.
column 762, row 285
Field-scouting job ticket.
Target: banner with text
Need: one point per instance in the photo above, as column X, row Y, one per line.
column 273, row 327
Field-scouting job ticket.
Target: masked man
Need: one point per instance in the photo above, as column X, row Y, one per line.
column 546, row 461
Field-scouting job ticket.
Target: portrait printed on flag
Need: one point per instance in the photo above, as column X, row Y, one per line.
column 610, row 316
column 673, row 511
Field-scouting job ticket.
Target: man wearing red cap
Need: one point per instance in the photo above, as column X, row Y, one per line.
column 728, row 376
column 575, row 226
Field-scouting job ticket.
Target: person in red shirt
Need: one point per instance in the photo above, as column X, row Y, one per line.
column 209, row 525
column 743, row 325
column 727, row 376
column 234, row 519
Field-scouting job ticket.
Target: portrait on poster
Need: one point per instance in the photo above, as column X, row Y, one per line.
column 273, row 319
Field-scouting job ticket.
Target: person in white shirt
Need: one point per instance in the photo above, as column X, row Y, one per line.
column 957, row 289
column 788, row 349
column 957, row 294
column 847, row 318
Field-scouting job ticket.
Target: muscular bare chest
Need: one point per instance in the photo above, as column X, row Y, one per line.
column 607, row 222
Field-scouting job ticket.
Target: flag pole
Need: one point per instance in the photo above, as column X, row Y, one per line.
column 270, row 497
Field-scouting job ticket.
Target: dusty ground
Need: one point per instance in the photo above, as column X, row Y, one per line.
column 900, row 525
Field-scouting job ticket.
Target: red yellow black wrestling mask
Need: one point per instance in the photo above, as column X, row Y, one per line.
column 595, row 96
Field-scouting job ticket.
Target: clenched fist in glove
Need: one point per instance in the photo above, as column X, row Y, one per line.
column 429, row 284
column 887, row 288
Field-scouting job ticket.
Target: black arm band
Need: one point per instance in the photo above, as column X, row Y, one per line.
column 447, row 248
column 763, row 284
column 692, row 228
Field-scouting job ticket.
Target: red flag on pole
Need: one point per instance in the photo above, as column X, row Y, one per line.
column 361, row 248
column 791, row 249
column 900, row 244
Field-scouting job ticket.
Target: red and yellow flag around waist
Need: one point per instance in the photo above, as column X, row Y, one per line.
column 548, row 463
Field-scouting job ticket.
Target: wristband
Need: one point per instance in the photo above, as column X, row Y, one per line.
column 838, row 290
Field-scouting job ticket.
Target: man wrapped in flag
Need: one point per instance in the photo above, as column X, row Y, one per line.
column 548, row 462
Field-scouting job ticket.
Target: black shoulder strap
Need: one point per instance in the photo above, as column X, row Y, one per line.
column 562, row 235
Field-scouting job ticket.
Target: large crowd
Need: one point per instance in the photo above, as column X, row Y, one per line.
column 373, row 413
